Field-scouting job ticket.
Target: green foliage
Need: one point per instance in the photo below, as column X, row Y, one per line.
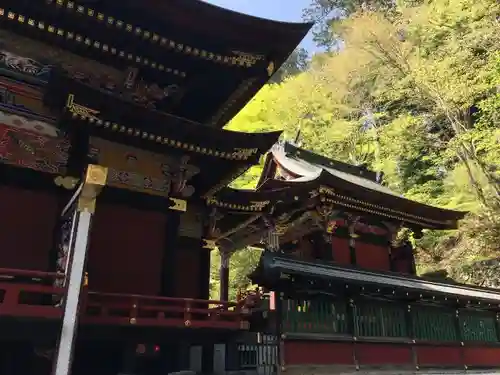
column 324, row 13
column 240, row 265
column 414, row 93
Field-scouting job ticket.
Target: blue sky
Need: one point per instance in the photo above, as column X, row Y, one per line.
column 281, row 10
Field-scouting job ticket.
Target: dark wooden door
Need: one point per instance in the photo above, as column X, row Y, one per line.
column 126, row 250
column 27, row 221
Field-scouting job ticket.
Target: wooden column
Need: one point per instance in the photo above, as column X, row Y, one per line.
column 209, row 220
column 352, row 241
column 169, row 262
column 85, row 201
column 460, row 335
column 204, row 279
column 411, row 334
column 224, row 275
column 280, row 334
column 351, row 321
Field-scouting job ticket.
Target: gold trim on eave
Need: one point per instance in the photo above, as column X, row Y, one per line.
column 89, row 42
column 209, row 244
column 253, row 206
column 90, row 115
column 323, row 190
column 238, row 58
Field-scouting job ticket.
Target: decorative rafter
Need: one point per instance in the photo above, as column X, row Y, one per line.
column 237, row 58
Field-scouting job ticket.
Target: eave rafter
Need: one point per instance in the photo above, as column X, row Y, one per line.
column 156, row 37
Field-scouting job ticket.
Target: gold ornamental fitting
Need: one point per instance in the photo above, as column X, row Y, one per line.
column 95, row 180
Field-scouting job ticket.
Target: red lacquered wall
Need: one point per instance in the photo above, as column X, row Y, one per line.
column 383, row 354
column 318, row 353
column 482, row 356
column 126, row 250
column 341, row 251
column 439, row 356
column 27, row 222
column 374, row 257
column 187, row 273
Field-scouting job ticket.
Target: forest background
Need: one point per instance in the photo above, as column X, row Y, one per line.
column 407, row 87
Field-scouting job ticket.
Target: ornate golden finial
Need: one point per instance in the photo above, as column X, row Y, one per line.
column 270, row 69
column 80, row 110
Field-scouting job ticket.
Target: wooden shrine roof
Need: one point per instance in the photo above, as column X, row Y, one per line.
column 190, row 58
column 355, row 188
column 273, row 266
column 220, row 155
column 297, row 183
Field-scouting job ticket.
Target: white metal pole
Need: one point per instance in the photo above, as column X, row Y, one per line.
column 64, row 353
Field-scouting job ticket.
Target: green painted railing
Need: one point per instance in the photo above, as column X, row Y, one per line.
column 369, row 318
column 434, row 324
column 478, row 326
column 315, row 316
column 379, row 320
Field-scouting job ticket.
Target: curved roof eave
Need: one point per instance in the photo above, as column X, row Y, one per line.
column 371, row 192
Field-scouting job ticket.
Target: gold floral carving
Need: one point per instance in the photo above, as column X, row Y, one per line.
column 178, row 204
column 246, row 59
column 324, row 190
column 259, row 206
column 252, row 206
column 67, row 182
column 244, row 153
column 281, row 229
column 209, row 244
column 80, row 110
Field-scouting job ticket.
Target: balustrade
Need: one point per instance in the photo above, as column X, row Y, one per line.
column 388, row 320
column 25, row 293
column 478, row 326
column 32, row 294
column 316, row 316
column 434, row 324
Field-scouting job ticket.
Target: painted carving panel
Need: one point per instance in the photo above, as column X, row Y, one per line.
column 33, row 61
column 32, row 144
column 143, row 171
column 23, row 99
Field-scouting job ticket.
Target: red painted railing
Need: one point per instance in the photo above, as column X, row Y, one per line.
column 26, row 293
column 124, row 309
column 31, row 294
